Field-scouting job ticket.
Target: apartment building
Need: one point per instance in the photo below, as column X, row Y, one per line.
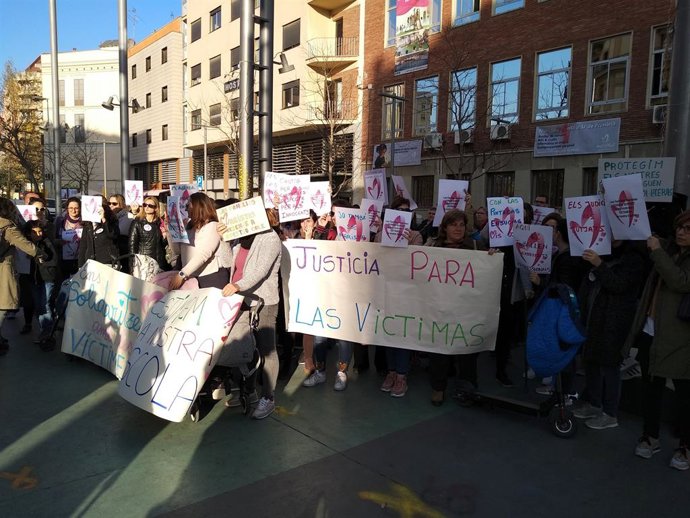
column 499, row 72
column 156, row 139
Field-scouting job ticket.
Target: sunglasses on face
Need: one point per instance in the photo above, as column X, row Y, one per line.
column 149, row 205
column 41, row 210
column 113, row 204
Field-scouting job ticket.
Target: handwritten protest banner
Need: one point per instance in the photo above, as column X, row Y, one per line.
column 395, row 222
column 290, row 191
column 176, row 227
column 451, row 195
column 320, row 197
column 70, row 244
column 373, row 209
column 91, row 207
column 183, row 191
column 532, row 247
column 351, row 224
column 243, row 218
column 375, row 186
column 657, row 174
column 504, row 213
column 541, row 212
column 588, row 227
column 423, row 298
column 105, row 311
column 401, row 190
column 134, row 192
column 28, row 212
column 625, row 207
column 178, row 344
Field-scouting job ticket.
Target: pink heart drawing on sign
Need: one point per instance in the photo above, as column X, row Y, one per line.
column 536, row 240
column 293, row 199
column 92, row 206
column 375, row 189
column 228, row 311
column 26, row 215
column 147, row 301
column 317, row 200
column 353, row 224
column 394, row 229
column 269, row 194
column 593, row 214
column 451, row 202
column 625, row 203
column 133, row 193
column 185, row 197
column 372, row 213
column 509, row 216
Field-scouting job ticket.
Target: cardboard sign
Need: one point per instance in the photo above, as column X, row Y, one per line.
column 451, row 195
column 373, row 209
column 183, row 192
column 320, row 197
column 351, row 224
column 625, row 207
column 176, row 226
column 173, row 354
column 243, row 218
column 134, row 192
column 533, row 247
column 70, row 244
column 588, row 227
column 423, row 298
column 504, row 214
column 540, row 213
column 401, row 190
column 395, row 222
column 658, row 174
column 375, row 186
column 28, row 212
column 91, row 207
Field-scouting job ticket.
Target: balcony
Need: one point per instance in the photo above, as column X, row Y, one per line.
column 330, row 5
column 331, row 55
column 332, row 112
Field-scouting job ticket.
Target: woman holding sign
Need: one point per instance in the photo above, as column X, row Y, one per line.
column 68, row 234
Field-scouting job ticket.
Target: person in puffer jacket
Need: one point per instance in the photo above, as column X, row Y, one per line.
column 146, row 238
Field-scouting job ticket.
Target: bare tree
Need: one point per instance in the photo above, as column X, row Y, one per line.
column 79, row 159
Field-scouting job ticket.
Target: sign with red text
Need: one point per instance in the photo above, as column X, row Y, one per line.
column 320, row 197
column 351, row 224
column 401, row 190
column 588, row 227
column 504, row 214
column 423, row 298
column 289, row 193
column 395, row 223
column 373, row 209
column 183, row 191
column 658, row 174
column 532, row 247
column 451, row 195
column 375, row 186
column 625, row 207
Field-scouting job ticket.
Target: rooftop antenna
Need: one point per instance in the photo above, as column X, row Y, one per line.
column 133, row 19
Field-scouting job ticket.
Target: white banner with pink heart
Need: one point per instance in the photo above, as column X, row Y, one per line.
column 134, row 192
column 320, row 197
column 451, row 195
column 289, row 193
column 373, row 209
column 504, row 214
column 625, row 207
column 532, row 247
column 588, row 226
column 91, row 208
column 375, row 186
column 351, row 224
column 395, row 223
column 28, row 212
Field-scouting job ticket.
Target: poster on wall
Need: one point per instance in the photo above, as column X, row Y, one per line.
column 577, row 138
column 413, row 24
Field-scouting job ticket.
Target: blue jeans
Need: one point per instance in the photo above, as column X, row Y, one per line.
column 43, row 301
column 398, row 360
column 321, row 350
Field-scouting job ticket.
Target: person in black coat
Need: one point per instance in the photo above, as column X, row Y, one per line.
column 42, row 276
column 99, row 240
column 146, row 238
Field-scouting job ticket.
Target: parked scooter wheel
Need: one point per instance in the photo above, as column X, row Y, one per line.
column 244, row 401
column 562, row 423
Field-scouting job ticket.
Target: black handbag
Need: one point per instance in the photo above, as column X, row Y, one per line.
column 683, row 312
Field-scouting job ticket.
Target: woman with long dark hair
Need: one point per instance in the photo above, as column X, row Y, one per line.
column 99, row 240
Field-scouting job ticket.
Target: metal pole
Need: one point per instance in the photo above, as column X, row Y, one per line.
column 56, row 102
column 124, row 93
column 105, row 173
column 205, row 156
column 246, row 159
column 266, row 91
column 394, row 103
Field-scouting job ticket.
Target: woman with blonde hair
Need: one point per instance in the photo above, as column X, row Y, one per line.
column 147, row 243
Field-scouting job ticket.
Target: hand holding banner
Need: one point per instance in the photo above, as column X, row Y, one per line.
column 532, row 247
column 588, row 227
column 625, row 207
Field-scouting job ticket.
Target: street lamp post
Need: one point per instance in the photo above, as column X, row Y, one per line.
column 124, row 92
column 56, row 104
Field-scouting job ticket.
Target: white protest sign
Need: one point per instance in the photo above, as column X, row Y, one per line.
column 105, row 311
column 625, row 207
column 178, row 345
column 532, row 247
column 183, row 192
column 451, row 195
column 70, row 244
column 658, row 174
column 373, row 209
column 375, row 186
column 134, row 192
column 294, row 203
column 588, row 227
column 320, row 197
column 271, row 189
column 243, row 218
column 423, row 298
column 28, row 212
column 90, row 208
column 395, row 222
column 176, row 227
column 503, row 214
column 540, row 213
column 352, row 224
column 401, row 190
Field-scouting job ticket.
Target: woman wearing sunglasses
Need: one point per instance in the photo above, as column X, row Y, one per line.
column 147, row 243
column 99, row 240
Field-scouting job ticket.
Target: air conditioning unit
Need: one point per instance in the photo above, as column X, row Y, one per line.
column 464, row 136
column 659, row 114
column 500, row 131
column 433, row 141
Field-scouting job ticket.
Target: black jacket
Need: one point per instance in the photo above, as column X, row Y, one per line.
column 46, row 269
column 99, row 242
column 147, row 239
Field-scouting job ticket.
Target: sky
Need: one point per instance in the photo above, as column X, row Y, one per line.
column 81, row 24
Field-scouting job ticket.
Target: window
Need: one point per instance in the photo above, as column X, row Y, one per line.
column 423, row 190
column 500, row 184
column 214, row 22
column 291, row 35
column 463, row 99
column 79, row 128
column 590, row 180
column 235, row 9
column 234, row 108
column 148, row 100
column 164, row 132
column 505, row 87
column 235, row 59
column 550, row 184
column 214, row 67
column 391, row 19
column 257, row 51
column 148, row 136
column 504, row 6
column 395, row 109
column 196, row 30
column 196, row 120
column 291, row 94
column 134, row 140
column 78, row 92
column 63, row 130
column 61, row 93
column 148, row 63
column 196, row 74
column 164, row 94
column 214, row 115
column 609, row 68
column 134, row 71
column 466, row 11
column 553, row 84
column 164, row 55
column 660, row 65
column 425, row 105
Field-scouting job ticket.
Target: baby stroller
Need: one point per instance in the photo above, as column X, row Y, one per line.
column 554, row 336
column 239, row 360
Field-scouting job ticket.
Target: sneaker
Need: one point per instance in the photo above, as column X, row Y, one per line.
column 680, row 459
column 545, row 390
column 400, row 387
column 602, row 422
column 340, row 381
column 530, row 374
column 586, row 411
column 647, row 446
column 234, row 400
column 315, row 378
column 218, row 392
column 389, row 381
column 264, row 408
column 504, row 380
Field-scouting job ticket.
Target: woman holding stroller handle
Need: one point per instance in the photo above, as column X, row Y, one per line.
column 146, row 239
column 68, row 232
column 661, row 330
column 99, row 240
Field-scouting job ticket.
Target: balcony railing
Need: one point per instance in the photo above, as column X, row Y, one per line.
column 332, row 48
column 333, row 111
